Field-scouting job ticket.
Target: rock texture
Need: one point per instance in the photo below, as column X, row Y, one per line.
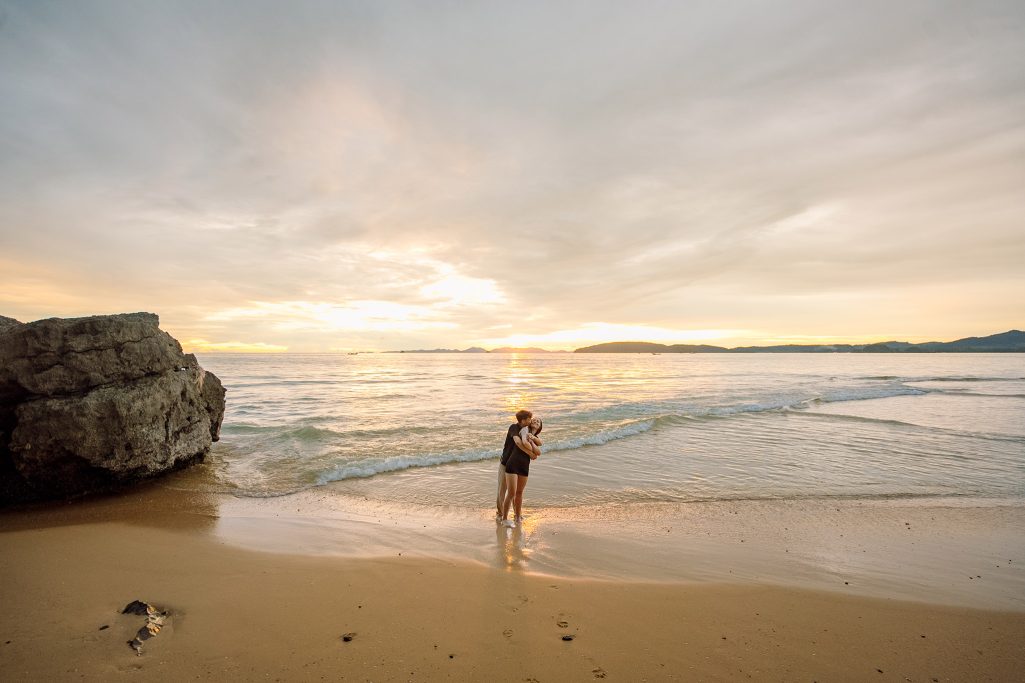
column 89, row 404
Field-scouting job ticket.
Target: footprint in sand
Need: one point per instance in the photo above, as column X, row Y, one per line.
column 599, row 672
column 562, row 624
column 507, row 633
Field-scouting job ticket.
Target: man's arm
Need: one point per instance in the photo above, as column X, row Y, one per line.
column 527, row 447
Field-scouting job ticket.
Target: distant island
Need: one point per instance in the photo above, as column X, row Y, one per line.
column 1012, row 341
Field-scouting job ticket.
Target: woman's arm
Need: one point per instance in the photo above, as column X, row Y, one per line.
column 533, row 440
column 527, row 447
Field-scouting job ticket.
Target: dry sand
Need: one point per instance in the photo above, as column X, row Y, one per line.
column 65, row 572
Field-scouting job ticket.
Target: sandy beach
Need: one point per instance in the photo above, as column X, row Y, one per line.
column 282, row 283
column 241, row 614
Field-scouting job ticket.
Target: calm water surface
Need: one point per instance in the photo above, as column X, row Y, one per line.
column 625, row 428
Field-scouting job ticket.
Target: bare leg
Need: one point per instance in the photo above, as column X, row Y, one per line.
column 510, row 493
column 521, row 483
column 501, row 489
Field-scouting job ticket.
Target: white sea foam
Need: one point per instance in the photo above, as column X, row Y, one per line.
column 372, row 466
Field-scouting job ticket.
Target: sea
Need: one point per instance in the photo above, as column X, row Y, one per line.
column 426, row 429
column 885, row 475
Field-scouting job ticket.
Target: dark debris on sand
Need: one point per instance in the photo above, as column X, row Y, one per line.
column 155, row 620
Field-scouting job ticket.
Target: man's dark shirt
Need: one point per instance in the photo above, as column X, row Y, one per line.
column 510, row 445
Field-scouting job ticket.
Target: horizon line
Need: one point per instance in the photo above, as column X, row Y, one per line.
column 538, row 349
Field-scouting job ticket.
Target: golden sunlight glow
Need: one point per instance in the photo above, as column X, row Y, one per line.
column 24, row 285
column 358, row 316
column 204, row 346
column 521, row 392
column 459, row 290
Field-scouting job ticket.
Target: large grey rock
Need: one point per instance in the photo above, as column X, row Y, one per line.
column 89, row 404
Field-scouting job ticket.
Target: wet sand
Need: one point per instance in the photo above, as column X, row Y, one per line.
column 239, row 613
column 937, row 552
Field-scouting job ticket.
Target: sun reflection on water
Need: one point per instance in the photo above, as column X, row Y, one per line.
column 515, row 544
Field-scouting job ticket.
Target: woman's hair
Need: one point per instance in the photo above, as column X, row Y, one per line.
column 524, row 415
column 540, row 426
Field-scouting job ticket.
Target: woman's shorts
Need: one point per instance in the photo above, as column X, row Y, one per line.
column 518, row 463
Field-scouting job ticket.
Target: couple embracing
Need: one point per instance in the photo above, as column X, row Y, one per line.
column 521, row 446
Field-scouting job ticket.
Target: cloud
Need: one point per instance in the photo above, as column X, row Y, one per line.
column 204, row 346
column 315, row 316
column 791, row 169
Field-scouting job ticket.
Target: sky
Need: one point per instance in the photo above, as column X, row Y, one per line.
column 332, row 176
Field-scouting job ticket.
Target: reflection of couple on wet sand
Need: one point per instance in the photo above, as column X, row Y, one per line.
column 521, row 446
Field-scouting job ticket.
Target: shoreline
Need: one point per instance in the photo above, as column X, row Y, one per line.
column 240, row 614
column 252, row 606
column 935, row 552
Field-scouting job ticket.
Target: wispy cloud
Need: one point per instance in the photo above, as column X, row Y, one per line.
column 383, row 175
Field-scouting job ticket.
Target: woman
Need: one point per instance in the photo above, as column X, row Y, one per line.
column 517, row 469
column 523, row 418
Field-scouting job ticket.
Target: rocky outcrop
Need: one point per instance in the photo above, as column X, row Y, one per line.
column 89, row 404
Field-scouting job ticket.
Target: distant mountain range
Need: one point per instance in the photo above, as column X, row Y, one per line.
column 1012, row 341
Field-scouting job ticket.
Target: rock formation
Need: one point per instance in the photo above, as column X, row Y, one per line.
column 89, row 404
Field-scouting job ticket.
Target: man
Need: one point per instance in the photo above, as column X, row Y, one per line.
column 522, row 420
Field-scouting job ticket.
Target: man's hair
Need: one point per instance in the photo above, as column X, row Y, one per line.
column 524, row 415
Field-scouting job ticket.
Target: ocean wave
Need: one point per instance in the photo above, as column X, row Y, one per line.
column 606, row 435
column 283, row 382
column 626, row 429
column 937, row 378
column 369, row 468
column 301, row 431
column 980, row 393
column 396, row 463
column 659, row 410
column 964, row 378
column 867, row 393
column 630, row 505
column 607, row 424
column 988, row 436
column 373, row 467
column 311, row 433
